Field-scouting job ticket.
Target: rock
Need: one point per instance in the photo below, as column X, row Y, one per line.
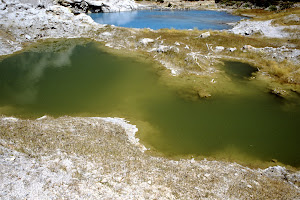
column 259, row 27
column 43, row 117
column 162, row 48
column 203, row 94
column 248, row 47
column 109, row 45
column 279, row 54
column 52, row 21
column 232, row 49
column 10, row 119
column 106, row 34
column 282, row 173
column 278, row 92
column 104, row 180
column 27, row 37
column 205, row 35
column 145, row 41
column 96, row 6
column 219, row 48
column 292, row 18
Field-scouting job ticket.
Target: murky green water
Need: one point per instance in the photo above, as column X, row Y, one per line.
column 83, row 80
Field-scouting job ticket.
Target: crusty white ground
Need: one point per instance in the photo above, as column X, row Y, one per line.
column 94, row 158
column 265, row 28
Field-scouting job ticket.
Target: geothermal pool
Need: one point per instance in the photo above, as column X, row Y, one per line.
column 83, row 80
column 154, row 19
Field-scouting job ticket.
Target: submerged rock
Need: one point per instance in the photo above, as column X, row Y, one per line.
column 204, row 94
column 279, row 92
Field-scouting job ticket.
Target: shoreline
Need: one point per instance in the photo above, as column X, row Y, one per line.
column 100, row 162
column 81, row 26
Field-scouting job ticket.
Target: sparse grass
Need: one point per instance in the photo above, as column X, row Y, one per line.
column 252, row 12
column 204, row 57
column 295, row 33
column 281, row 72
column 108, row 143
column 101, row 152
column 278, row 17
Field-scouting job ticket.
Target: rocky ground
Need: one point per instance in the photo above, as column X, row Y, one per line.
column 99, row 158
column 88, row 158
column 179, row 5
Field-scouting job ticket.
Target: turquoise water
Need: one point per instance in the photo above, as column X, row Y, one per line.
column 201, row 19
column 86, row 81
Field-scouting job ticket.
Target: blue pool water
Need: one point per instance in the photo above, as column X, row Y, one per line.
column 201, row 19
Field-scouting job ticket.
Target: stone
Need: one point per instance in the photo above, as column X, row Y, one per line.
column 27, row 37
column 265, row 28
column 163, row 48
column 248, row 47
column 205, row 35
column 47, row 21
column 95, row 6
column 106, row 34
column 219, row 48
column 145, row 41
column 232, row 49
column 42, row 118
column 104, row 180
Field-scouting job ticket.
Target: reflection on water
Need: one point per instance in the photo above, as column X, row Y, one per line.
column 168, row 19
column 84, row 80
column 20, row 77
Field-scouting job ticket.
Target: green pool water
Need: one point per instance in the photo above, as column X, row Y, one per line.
column 83, row 80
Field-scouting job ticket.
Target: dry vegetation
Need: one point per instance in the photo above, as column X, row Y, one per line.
column 187, row 52
column 279, row 17
column 118, row 166
column 75, row 158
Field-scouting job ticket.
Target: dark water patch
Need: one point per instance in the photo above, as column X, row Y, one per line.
column 200, row 19
column 239, row 70
column 83, row 80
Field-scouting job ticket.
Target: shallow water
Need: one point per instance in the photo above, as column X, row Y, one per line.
column 201, row 19
column 85, row 81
